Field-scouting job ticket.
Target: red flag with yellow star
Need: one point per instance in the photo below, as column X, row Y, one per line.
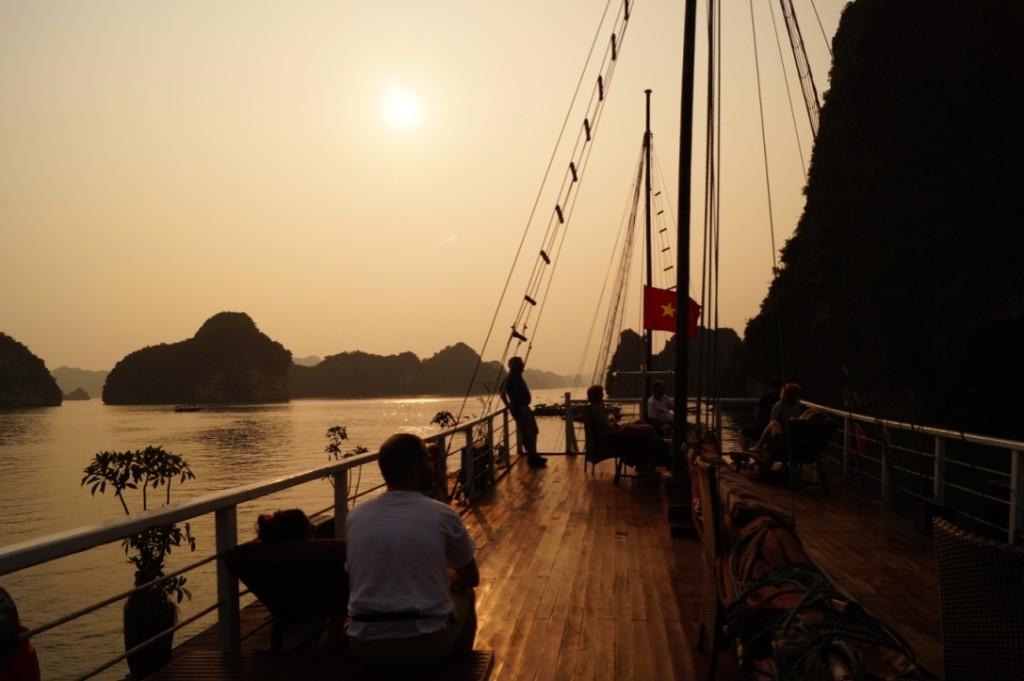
column 660, row 311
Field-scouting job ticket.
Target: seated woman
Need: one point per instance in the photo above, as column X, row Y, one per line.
column 788, row 407
column 288, row 525
column 769, row 449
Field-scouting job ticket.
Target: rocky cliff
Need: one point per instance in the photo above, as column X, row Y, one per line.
column 24, row 380
column 228, row 361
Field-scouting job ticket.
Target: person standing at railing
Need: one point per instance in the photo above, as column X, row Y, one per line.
column 411, row 568
column 516, row 396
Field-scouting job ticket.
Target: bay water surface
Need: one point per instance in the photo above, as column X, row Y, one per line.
column 43, row 453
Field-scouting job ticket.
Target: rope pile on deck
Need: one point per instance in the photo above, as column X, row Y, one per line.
column 784, row 617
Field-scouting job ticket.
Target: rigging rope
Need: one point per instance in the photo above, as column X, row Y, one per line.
column 789, row 98
column 558, row 222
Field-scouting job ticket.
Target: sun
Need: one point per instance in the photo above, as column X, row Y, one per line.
column 401, row 108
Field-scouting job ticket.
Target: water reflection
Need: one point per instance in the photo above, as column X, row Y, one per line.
column 23, row 426
column 43, row 453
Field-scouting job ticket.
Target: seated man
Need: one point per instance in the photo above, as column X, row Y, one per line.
column 659, row 409
column 411, row 568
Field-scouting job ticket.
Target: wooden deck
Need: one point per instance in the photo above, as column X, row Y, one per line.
column 582, row 579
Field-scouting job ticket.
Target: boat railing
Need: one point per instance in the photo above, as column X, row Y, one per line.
column 483, row 443
column 928, row 470
column 920, row 470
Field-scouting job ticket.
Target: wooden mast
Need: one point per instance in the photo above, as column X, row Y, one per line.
column 683, row 248
column 648, row 342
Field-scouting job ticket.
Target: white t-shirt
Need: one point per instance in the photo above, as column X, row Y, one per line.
column 399, row 548
column 659, row 410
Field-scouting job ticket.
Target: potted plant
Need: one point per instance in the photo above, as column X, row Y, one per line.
column 152, row 609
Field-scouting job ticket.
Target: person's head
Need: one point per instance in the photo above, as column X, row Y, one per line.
column 516, row 364
column 791, row 393
column 404, row 462
column 287, row 525
column 595, row 393
column 658, row 388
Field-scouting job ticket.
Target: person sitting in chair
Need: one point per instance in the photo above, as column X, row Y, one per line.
column 659, row 409
column 788, row 407
column 411, row 568
column 763, row 412
column 288, row 525
column 608, row 429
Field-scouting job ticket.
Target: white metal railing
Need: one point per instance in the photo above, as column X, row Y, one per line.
column 976, row 476
column 480, row 446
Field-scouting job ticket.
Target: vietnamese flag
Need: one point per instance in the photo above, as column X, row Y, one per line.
column 660, row 311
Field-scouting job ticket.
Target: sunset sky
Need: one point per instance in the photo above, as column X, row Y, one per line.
column 358, row 176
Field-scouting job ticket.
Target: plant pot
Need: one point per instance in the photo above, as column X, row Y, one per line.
column 145, row 616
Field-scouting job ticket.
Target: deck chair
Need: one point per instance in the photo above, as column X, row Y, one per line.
column 802, row 444
column 981, row 603
column 626, row 451
column 295, row 580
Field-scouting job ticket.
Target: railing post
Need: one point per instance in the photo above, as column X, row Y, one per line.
column 229, row 626
column 442, row 468
column 883, row 475
column 506, row 438
column 938, row 471
column 846, row 448
column 491, row 480
column 571, row 447
column 468, row 477
column 1015, row 509
column 341, row 502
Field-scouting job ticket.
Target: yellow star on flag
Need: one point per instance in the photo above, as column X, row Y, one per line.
column 668, row 311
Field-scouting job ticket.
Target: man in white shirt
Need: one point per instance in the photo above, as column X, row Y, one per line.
column 411, row 568
column 659, row 409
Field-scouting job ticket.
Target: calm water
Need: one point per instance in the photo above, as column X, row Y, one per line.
column 43, row 453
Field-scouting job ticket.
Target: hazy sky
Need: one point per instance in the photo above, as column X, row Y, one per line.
column 164, row 161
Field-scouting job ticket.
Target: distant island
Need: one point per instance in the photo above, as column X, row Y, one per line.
column 230, row 361
column 72, row 380
column 24, row 380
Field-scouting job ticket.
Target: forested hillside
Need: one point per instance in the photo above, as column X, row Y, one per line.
column 900, row 293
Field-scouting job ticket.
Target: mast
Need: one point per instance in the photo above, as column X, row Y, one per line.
column 648, row 343
column 683, row 248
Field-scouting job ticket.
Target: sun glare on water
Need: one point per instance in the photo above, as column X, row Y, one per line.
column 402, row 109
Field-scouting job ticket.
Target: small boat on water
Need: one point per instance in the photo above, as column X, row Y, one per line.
column 558, row 409
column 187, row 408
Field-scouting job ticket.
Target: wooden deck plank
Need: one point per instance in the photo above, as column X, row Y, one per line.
column 582, row 580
